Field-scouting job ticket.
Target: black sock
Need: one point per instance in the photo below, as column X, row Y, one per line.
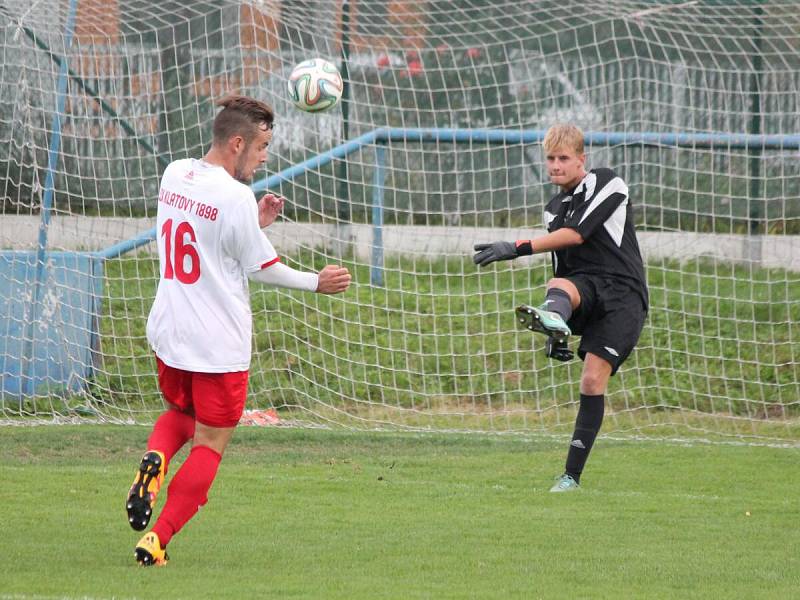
column 557, row 301
column 587, row 425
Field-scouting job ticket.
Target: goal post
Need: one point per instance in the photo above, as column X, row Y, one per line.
column 435, row 147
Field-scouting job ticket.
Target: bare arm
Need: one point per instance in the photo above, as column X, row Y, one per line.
column 556, row 240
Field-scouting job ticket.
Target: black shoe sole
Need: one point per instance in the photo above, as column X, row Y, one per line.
column 530, row 320
column 145, row 559
column 558, row 350
column 138, row 504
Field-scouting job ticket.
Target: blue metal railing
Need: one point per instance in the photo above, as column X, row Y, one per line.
column 383, row 136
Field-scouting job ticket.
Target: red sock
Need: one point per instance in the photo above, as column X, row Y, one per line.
column 187, row 491
column 171, row 431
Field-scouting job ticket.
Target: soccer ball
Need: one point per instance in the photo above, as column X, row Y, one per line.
column 315, row 85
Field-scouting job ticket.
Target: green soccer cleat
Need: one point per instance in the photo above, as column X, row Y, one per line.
column 565, row 483
column 550, row 324
column 543, row 321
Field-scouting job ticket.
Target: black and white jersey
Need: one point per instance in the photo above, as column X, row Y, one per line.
column 599, row 209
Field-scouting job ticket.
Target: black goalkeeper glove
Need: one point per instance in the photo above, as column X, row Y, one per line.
column 489, row 253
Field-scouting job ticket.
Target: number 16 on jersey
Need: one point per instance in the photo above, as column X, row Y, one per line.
column 185, row 265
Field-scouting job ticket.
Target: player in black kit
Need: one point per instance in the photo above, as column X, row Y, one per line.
column 598, row 291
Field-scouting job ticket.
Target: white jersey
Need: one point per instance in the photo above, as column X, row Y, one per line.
column 208, row 240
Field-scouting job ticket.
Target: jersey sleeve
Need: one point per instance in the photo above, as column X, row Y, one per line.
column 601, row 202
column 248, row 244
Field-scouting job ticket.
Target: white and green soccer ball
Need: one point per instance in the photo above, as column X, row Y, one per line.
column 315, row 85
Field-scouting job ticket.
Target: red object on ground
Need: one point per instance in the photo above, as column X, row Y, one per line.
column 260, row 417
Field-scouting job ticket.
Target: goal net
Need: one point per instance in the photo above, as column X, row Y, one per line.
column 435, row 146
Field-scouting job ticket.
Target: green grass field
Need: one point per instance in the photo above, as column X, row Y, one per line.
column 320, row 514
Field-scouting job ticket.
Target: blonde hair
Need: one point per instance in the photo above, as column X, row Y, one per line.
column 564, row 135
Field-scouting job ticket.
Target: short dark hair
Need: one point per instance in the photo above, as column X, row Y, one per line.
column 241, row 115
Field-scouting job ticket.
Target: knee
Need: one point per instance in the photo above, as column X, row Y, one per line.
column 567, row 286
column 596, row 373
column 215, row 438
column 593, row 383
column 558, row 282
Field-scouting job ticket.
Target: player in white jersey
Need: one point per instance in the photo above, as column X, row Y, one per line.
column 200, row 326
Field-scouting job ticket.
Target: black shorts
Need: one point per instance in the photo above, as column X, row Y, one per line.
column 609, row 319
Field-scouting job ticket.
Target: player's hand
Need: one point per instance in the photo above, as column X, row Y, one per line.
column 333, row 280
column 269, row 207
column 489, row 253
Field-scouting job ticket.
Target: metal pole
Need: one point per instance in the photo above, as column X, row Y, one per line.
column 757, row 208
column 343, row 209
column 756, row 184
column 376, row 270
column 47, row 199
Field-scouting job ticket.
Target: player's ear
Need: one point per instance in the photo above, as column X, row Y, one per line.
column 236, row 144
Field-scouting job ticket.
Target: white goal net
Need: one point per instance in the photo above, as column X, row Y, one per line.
column 434, row 147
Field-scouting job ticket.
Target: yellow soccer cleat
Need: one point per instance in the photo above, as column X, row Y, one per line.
column 143, row 492
column 149, row 551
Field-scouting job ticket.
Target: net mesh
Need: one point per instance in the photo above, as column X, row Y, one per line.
column 98, row 96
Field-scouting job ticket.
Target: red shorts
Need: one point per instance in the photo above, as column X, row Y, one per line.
column 214, row 399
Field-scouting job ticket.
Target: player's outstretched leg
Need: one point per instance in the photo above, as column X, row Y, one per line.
column 565, row 483
column 142, row 495
column 550, row 324
column 149, row 552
